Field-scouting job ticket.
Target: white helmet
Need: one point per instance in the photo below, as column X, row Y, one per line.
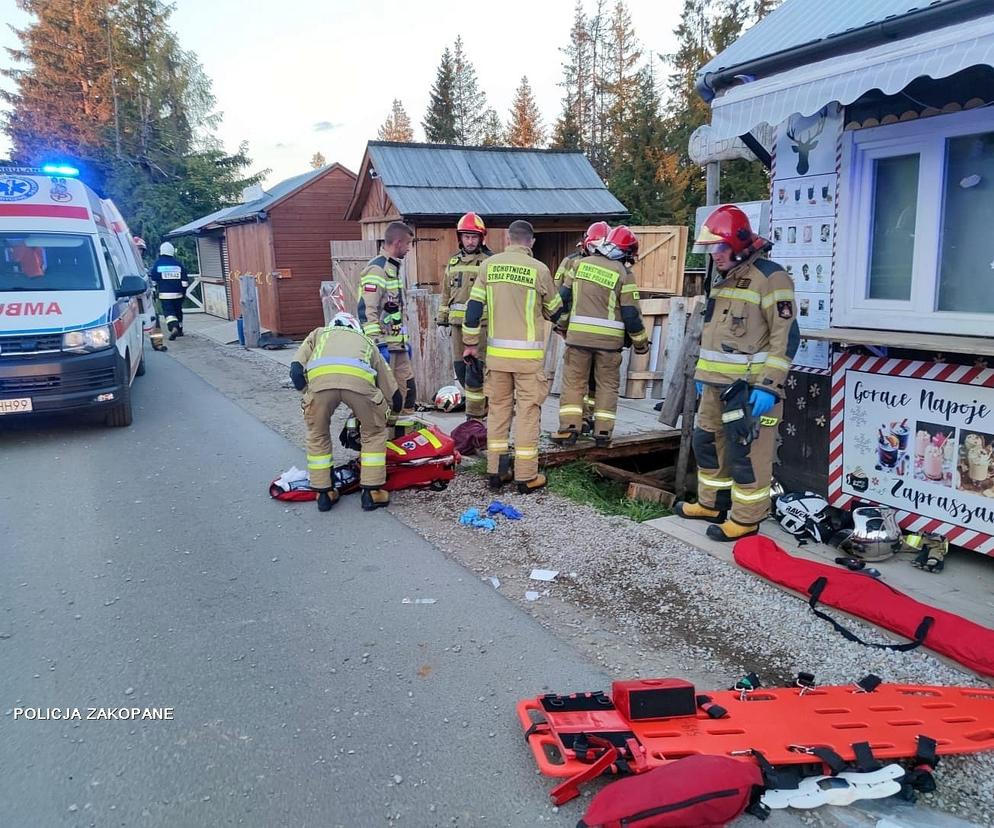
column 167, row 249
column 804, row 514
column 346, row 320
column 448, row 398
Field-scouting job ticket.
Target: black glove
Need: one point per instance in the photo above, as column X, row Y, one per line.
column 397, row 403
column 297, row 376
column 740, row 427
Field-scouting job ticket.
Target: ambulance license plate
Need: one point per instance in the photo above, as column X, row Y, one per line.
column 19, row 406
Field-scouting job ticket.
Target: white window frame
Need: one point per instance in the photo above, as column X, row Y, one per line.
column 927, row 138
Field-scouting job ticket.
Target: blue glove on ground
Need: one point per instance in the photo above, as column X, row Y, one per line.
column 761, row 401
column 700, row 388
column 384, row 352
column 472, row 517
column 497, row 508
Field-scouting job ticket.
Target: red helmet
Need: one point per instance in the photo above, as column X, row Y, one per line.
column 728, row 225
column 472, row 223
column 621, row 243
column 596, row 234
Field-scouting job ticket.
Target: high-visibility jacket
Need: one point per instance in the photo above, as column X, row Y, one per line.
column 381, row 303
column 457, row 282
column 341, row 358
column 750, row 327
column 516, row 291
column 567, row 266
column 169, row 277
column 601, row 298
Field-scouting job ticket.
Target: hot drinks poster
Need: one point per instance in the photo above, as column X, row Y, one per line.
column 922, row 446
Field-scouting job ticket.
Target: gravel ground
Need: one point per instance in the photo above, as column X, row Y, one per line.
column 631, row 598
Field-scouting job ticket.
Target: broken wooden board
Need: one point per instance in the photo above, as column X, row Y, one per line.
column 652, row 494
column 644, row 443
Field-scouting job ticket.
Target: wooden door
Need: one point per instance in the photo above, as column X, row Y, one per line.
column 662, row 253
column 348, row 258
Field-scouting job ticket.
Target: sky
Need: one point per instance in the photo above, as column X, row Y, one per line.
column 300, row 76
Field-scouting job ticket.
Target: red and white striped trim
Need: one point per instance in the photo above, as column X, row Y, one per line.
column 938, row 371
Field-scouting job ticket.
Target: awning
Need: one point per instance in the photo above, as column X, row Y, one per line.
column 845, row 78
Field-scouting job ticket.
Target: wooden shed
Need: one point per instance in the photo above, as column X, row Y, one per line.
column 280, row 236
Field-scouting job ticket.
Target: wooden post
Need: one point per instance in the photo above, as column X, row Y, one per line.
column 695, row 326
column 431, row 351
column 250, row 311
column 712, row 185
column 332, row 300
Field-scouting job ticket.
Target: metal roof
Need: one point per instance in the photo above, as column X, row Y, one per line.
column 251, row 209
column 801, row 22
column 444, row 180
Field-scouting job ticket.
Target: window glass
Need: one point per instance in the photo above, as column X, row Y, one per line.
column 892, row 233
column 47, row 261
column 966, row 264
column 115, row 278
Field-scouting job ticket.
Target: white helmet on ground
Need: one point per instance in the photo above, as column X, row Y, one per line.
column 167, row 249
column 448, row 398
column 804, row 514
column 346, row 320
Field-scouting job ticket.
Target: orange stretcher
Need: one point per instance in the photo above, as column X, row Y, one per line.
column 572, row 736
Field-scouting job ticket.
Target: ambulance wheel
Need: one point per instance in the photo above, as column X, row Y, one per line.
column 120, row 415
column 141, row 366
column 439, row 485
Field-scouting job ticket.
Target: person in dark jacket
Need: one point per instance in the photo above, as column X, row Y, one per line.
column 170, row 281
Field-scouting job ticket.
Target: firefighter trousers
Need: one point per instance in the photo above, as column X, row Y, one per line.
column 370, row 409
column 728, row 473
column 403, row 372
column 470, row 377
column 517, row 394
column 580, row 366
column 173, row 312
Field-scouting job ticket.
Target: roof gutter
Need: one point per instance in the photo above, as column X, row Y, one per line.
column 896, row 28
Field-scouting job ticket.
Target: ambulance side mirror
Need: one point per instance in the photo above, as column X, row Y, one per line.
column 131, row 286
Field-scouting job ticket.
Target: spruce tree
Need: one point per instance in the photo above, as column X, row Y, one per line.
column 468, row 100
column 620, row 80
column 440, row 120
column 492, row 130
column 397, row 126
column 566, row 133
column 525, row 126
column 570, row 130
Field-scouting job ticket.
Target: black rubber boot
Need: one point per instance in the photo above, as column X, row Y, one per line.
column 374, row 499
column 326, row 499
column 411, row 398
column 565, row 438
column 505, row 473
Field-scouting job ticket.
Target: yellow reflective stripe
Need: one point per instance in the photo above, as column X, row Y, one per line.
column 395, row 448
column 778, row 296
column 346, row 370
column 570, row 409
column 715, row 482
column 530, row 315
column 319, row 461
column 776, row 362
column 373, row 279
column 604, row 415
column 631, row 289
column 525, row 453
column 554, row 303
column 373, row 458
column 477, row 293
column 728, row 367
column 475, row 395
column 749, row 495
column 431, row 438
column 491, row 309
column 741, row 294
column 514, row 353
column 371, row 328
column 466, row 329
column 496, row 445
column 596, row 329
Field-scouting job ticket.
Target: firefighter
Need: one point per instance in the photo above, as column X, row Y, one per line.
column 460, row 273
column 596, row 233
column 339, row 364
column 170, row 282
column 381, row 307
column 601, row 299
column 515, row 290
column 750, row 337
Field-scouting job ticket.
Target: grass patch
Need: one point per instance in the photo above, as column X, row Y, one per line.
column 581, row 484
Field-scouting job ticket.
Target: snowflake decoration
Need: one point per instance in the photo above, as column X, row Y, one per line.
column 801, row 403
column 791, row 430
column 863, row 444
column 814, row 391
column 980, row 362
column 857, row 417
column 792, row 381
column 821, row 421
column 939, row 357
column 875, row 481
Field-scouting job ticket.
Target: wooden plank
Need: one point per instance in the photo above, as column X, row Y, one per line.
column 658, row 360
column 626, row 357
column 644, row 443
column 644, row 375
column 654, row 307
column 676, row 327
column 940, row 343
column 249, row 302
column 431, row 350
column 651, row 494
column 639, row 365
column 695, row 326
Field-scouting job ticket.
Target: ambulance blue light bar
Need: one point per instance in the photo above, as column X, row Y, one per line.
column 59, row 169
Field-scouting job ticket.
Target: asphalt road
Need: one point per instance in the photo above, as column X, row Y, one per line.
column 147, row 567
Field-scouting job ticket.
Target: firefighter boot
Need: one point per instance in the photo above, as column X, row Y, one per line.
column 732, row 531
column 695, row 511
column 374, row 499
column 602, row 440
column 505, row 473
column 179, row 329
column 529, row 486
column 172, row 327
column 565, row 438
column 326, row 499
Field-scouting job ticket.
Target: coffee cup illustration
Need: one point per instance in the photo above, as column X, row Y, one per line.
column 858, row 480
column 807, row 233
column 791, row 235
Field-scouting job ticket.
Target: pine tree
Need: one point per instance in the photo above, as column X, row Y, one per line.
column 569, row 132
column 525, row 126
column 440, row 120
column 761, row 8
column 397, row 126
column 492, row 130
column 317, row 161
column 468, row 100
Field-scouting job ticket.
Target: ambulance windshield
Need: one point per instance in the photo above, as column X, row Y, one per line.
column 47, row 261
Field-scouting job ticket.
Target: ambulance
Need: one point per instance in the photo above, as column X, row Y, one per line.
column 73, row 298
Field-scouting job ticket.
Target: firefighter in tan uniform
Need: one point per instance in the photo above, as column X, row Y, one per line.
column 750, row 337
column 335, row 365
column 381, row 307
column 460, row 273
column 516, row 291
column 601, row 299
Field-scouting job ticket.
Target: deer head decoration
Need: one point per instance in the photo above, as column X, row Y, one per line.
column 805, row 142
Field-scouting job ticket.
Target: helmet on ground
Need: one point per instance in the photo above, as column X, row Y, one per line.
column 346, row 320
column 448, row 398
column 727, row 225
column 875, row 534
column 621, row 244
column 596, row 234
column 804, row 515
column 472, row 223
column 167, row 249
